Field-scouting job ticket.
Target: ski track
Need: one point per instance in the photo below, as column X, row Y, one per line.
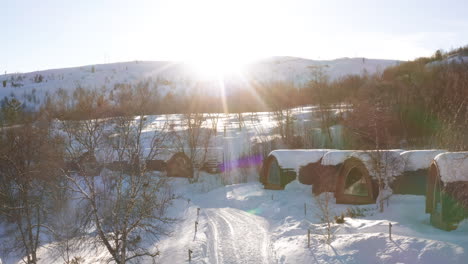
column 235, row 236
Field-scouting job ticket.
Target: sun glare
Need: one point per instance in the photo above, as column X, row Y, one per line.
column 213, row 66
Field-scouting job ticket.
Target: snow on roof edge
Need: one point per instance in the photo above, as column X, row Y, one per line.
column 296, row 158
column 419, row 159
column 335, row 157
column 453, row 166
column 386, row 163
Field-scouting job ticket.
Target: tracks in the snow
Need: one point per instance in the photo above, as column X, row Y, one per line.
column 235, row 236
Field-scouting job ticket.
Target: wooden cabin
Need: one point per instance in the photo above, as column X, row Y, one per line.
column 179, row 165
column 273, row 176
column 85, row 165
column 447, row 190
column 281, row 166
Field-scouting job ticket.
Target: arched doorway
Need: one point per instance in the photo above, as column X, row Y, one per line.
column 273, row 176
column 354, row 185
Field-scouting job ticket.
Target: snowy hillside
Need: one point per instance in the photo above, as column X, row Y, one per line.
column 177, row 77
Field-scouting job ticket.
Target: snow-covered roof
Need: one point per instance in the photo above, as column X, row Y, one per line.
column 296, row 158
column 419, row 159
column 383, row 163
column 335, row 157
column 453, row 166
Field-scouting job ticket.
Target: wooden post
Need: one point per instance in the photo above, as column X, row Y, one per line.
column 305, row 209
column 190, row 255
column 196, row 224
column 390, row 230
column 188, row 201
column 198, row 211
column 272, row 197
column 308, row 238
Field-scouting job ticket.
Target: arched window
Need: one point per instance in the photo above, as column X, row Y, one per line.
column 356, row 184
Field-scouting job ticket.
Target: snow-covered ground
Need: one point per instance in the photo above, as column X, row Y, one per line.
column 244, row 223
column 245, row 218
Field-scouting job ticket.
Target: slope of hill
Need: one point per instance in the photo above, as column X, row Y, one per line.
column 32, row 87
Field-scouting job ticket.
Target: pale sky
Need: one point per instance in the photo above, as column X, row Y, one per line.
column 38, row 35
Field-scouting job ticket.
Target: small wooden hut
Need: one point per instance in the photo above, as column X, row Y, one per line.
column 175, row 164
column 281, row 166
column 179, row 165
column 447, row 190
column 358, row 178
column 85, row 165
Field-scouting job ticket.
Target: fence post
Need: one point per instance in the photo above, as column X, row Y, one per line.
column 305, row 209
column 196, row 224
column 308, row 238
column 190, row 255
column 198, row 211
column 390, row 230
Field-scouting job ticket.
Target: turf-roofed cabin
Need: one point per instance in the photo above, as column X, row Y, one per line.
column 281, row 166
column 397, row 171
column 361, row 173
column 447, row 190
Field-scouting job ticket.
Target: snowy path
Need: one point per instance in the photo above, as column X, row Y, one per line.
column 235, row 236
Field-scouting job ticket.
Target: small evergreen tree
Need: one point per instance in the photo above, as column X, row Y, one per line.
column 11, row 110
column 438, row 55
column 4, row 83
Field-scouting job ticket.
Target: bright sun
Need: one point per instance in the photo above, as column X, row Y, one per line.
column 215, row 66
column 218, row 38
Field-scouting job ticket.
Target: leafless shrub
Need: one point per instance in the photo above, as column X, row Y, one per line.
column 326, row 215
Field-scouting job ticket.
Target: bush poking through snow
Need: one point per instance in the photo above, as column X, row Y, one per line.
column 77, row 260
column 339, row 219
column 355, row 212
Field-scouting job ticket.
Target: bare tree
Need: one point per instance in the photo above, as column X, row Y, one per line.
column 195, row 139
column 384, row 165
column 127, row 205
column 30, row 163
